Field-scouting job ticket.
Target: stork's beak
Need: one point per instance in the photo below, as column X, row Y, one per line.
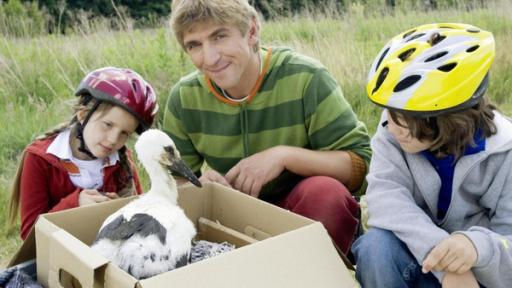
column 180, row 168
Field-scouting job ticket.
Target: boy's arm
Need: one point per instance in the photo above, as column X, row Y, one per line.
column 494, row 249
column 390, row 200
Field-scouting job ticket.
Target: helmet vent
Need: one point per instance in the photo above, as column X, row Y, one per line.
column 404, row 55
column 447, row 67
column 446, row 27
column 382, row 76
column 134, row 85
column 406, row 83
column 473, row 48
column 473, row 30
column 408, row 33
column 381, row 58
column 436, row 56
column 415, row 37
column 436, row 38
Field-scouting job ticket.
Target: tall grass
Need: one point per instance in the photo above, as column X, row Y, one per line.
column 38, row 75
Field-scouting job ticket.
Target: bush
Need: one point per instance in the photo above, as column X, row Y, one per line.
column 22, row 19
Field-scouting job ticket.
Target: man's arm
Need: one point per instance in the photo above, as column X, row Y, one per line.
column 339, row 142
column 251, row 173
column 335, row 164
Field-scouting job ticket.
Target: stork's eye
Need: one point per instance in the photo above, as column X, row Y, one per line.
column 169, row 149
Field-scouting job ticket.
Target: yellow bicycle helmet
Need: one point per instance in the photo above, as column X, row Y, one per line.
column 432, row 69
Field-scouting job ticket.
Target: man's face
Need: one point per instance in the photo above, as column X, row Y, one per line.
column 222, row 53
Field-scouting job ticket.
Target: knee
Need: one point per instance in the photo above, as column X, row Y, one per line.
column 376, row 246
column 325, row 194
column 379, row 252
column 323, row 189
column 321, row 183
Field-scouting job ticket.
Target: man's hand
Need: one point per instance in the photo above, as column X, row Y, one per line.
column 211, row 175
column 455, row 254
column 466, row 280
column 250, row 174
column 91, row 196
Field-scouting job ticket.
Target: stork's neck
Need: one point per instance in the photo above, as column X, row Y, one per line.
column 163, row 184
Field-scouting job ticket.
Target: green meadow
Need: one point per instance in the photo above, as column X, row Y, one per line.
column 38, row 74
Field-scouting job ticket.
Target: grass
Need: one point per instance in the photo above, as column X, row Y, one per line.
column 38, row 75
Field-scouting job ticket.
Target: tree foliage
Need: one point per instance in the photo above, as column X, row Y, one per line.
column 29, row 17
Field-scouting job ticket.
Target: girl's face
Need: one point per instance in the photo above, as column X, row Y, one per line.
column 108, row 129
column 403, row 136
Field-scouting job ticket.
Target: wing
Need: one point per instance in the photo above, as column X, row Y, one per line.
column 141, row 224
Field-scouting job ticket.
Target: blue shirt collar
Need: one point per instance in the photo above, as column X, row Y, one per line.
column 479, row 140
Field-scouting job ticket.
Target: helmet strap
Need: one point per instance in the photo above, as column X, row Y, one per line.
column 80, row 131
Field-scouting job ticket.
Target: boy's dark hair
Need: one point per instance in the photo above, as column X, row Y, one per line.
column 450, row 133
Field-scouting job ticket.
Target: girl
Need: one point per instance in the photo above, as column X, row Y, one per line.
column 86, row 161
column 440, row 182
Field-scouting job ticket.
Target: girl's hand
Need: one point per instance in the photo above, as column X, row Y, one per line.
column 455, row 254
column 91, row 196
column 112, row 195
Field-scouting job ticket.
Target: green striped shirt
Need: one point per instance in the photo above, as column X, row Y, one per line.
column 299, row 104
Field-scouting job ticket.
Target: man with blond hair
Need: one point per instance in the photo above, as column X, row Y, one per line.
column 267, row 121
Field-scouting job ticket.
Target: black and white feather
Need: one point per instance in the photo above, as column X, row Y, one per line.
column 151, row 235
column 203, row 249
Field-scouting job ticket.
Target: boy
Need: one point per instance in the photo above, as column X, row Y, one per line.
column 440, row 182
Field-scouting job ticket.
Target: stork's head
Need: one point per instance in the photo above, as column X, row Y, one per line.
column 155, row 148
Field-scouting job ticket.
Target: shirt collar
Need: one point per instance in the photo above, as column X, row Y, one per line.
column 479, row 144
column 60, row 147
column 479, row 140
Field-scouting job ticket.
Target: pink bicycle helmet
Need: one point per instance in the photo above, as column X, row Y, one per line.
column 125, row 88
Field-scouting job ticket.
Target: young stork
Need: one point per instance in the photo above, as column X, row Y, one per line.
column 151, row 235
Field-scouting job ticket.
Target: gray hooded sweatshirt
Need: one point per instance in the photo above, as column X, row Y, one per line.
column 403, row 191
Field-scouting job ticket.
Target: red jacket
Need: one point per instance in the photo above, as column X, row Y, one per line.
column 45, row 185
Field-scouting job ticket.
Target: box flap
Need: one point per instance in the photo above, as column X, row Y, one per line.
column 79, row 221
column 215, row 232
column 257, row 219
column 302, row 258
column 237, row 210
column 115, row 277
column 75, row 258
column 44, row 229
column 26, row 252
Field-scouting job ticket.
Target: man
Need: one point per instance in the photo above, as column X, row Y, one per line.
column 268, row 122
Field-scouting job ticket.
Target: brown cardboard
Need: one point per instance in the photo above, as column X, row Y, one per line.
column 215, row 232
column 26, row 252
column 292, row 250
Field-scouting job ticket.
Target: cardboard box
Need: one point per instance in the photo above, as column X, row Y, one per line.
column 275, row 248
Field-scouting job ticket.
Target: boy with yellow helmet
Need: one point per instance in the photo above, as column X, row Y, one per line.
column 440, row 180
